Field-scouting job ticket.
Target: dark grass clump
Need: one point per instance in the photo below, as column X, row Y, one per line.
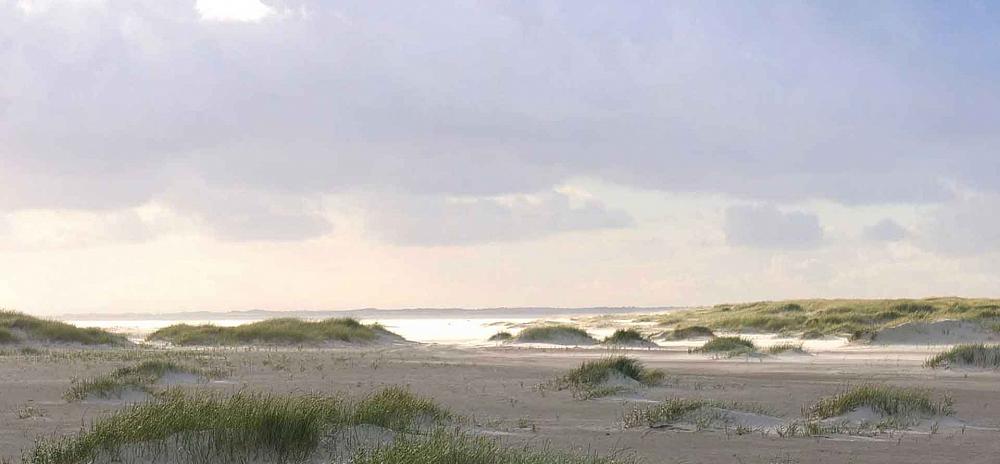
column 139, row 378
column 627, row 337
column 501, row 337
column 732, row 346
column 444, row 447
column 589, row 379
column 977, row 355
column 6, row 336
column 20, row 327
column 885, row 400
column 555, row 334
column 694, row 331
column 280, row 331
column 783, row 348
column 246, row 427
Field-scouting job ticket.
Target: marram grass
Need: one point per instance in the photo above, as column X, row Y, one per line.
column 732, row 346
column 138, row 378
column 626, row 337
column 501, row 337
column 210, row 428
column 444, row 447
column 857, row 319
column 885, row 400
column 280, row 331
column 976, row 355
column 588, row 380
column 20, row 327
column 701, row 412
column 554, row 334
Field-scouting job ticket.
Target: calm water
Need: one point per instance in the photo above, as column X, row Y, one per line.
column 471, row 331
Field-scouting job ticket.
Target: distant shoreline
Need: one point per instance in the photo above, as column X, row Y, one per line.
column 373, row 313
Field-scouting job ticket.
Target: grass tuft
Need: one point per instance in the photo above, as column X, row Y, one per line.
column 279, row 331
column 138, row 378
column 588, row 380
column 695, row 331
column 245, row 427
column 445, row 447
column 701, row 412
column 885, row 400
column 627, row 337
column 978, row 355
column 555, row 334
column 732, row 346
column 785, row 348
column 501, row 337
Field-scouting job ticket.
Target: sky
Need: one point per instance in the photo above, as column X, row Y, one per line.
column 166, row 155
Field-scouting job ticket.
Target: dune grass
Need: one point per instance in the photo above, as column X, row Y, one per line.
column 858, row 319
column 701, row 412
column 139, row 377
column 555, row 334
column 210, row 428
column 976, row 355
column 445, row 447
column 885, row 400
column 280, row 331
column 501, row 337
column 694, row 331
column 588, row 380
column 19, row 327
column 782, row 348
column 627, row 337
column 731, row 346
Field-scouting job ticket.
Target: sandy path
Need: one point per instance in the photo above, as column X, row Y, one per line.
column 497, row 387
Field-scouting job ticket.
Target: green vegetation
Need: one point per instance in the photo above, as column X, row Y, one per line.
column 445, row 447
column 6, row 336
column 859, row 319
column 280, row 331
column 209, row 428
column 978, row 355
column 694, row 331
column 18, row 327
column 501, row 337
column 589, row 380
column 885, row 400
column 555, row 334
column 627, row 337
column 785, row 348
column 731, row 346
column 701, row 412
column 135, row 378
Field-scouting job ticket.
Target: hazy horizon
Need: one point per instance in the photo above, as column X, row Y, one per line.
column 158, row 156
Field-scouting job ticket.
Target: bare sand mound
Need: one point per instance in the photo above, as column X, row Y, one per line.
column 936, row 333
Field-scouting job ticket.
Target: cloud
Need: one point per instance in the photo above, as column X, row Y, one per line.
column 38, row 229
column 767, row 227
column 964, row 227
column 886, row 230
column 108, row 104
column 463, row 221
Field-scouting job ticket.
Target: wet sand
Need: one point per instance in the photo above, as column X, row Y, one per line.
column 498, row 388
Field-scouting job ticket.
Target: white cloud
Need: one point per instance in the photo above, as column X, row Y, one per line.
column 463, row 221
column 967, row 226
column 233, row 10
column 886, row 230
column 765, row 226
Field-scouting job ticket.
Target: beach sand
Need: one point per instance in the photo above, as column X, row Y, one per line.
column 498, row 387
